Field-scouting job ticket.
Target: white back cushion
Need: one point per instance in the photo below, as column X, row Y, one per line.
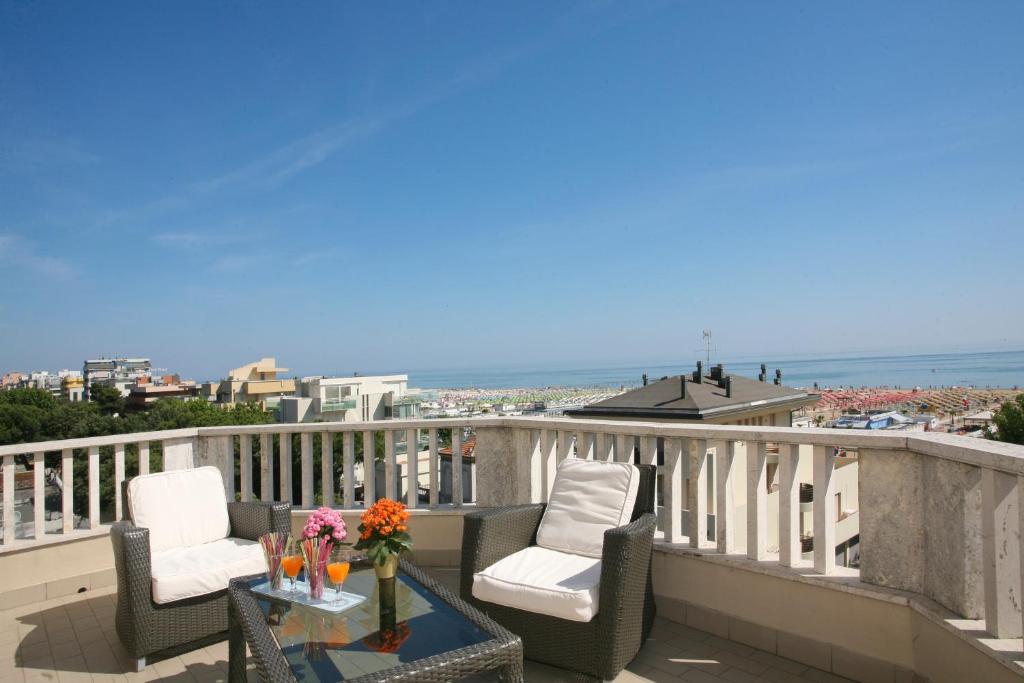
column 587, row 498
column 180, row 508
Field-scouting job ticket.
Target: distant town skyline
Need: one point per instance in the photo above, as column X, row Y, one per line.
column 422, row 187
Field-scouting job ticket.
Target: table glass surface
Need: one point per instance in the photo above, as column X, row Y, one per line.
column 320, row 646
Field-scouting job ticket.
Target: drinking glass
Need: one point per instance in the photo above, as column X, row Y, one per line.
column 337, row 569
column 292, row 565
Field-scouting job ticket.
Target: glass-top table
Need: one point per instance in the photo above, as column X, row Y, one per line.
column 433, row 636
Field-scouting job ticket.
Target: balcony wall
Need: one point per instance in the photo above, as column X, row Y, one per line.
column 939, row 518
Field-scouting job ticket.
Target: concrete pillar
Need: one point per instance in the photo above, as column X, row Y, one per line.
column 179, row 453
column 920, row 527
column 219, row 452
column 502, row 466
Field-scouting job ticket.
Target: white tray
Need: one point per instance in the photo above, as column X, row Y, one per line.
column 301, row 596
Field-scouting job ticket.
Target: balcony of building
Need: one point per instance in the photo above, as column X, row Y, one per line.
column 932, row 595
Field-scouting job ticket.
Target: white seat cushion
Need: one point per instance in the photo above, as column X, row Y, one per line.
column 544, row 582
column 587, row 498
column 202, row 569
column 180, row 508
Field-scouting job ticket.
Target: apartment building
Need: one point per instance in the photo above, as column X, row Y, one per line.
column 257, row 382
column 122, row 373
column 347, row 399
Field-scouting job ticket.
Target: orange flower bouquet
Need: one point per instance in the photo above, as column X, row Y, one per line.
column 384, row 535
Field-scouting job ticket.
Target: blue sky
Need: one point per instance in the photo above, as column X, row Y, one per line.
column 408, row 186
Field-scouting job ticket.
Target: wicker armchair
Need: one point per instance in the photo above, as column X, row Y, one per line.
column 599, row 648
column 147, row 627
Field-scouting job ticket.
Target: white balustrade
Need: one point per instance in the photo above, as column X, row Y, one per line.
column 369, row 469
column 457, row 466
column 725, row 505
column 789, row 505
column 757, row 500
column 412, row 462
column 824, row 510
column 697, row 492
column 672, row 521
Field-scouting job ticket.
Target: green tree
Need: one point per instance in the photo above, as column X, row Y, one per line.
column 108, row 399
column 1009, row 421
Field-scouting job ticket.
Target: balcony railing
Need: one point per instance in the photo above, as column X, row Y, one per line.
column 938, row 516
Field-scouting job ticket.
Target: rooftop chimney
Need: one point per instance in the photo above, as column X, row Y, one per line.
column 698, row 376
column 728, row 386
column 778, row 377
column 763, row 377
column 645, row 379
column 716, row 372
column 682, row 384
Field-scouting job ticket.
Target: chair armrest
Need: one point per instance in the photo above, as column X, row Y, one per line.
column 132, row 565
column 252, row 519
column 625, row 567
column 493, row 534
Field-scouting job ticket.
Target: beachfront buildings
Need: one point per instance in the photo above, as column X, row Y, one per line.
column 256, row 382
column 120, row 373
column 347, row 399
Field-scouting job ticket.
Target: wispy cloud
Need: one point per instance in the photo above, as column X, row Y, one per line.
column 36, row 153
column 306, row 151
column 197, row 240
column 16, row 251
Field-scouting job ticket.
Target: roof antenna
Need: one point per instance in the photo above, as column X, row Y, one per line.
column 707, row 345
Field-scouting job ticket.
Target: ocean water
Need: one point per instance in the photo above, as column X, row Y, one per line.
column 993, row 369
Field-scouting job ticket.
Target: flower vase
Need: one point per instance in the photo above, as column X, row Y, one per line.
column 388, row 569
column 388, row 611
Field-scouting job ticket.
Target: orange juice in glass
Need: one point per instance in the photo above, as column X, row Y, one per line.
column 337, row 570
column 292, row 565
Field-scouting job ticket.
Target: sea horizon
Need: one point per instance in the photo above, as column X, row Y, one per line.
column 1002, row 369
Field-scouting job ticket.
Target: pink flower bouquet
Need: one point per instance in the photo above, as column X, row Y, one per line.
column 327, row 524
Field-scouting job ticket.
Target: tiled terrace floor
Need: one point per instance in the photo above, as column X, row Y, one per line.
column 73, row 639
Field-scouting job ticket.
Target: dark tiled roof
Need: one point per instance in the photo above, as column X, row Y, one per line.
column 706, row 399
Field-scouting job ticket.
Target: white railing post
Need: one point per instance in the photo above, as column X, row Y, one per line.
column 244, row 466
column 39, row 495
column 94, row 487
column 548, row 446
column 284, row 454
column 607, row 452
column 369, row 469
column 789, row 505
column 757, row 500
column 144, row 458
column 624, row 445
column 564, row 444
column 1000, row 552
column 432, row 466
column 67, row 480
column 672, row 521
column 266, row 468
column 118, row 480
column 725, row 510
column 585, row 445
column 697, row 495
column 457, row 466
column 306, row 468
column 412, row 467
column 348, row 469
column 536, row 467
column 9, row 523
column 824, row 510
column 327, row 468
column 649, row 456
column 390, row 466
